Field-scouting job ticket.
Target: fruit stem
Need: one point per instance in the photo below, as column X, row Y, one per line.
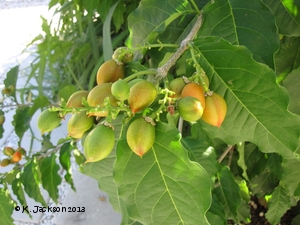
column 160, row 45
column 199, row 70
column 195, row 6
column 134, row 75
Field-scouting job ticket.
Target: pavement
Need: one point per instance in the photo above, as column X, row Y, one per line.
column 20, row 22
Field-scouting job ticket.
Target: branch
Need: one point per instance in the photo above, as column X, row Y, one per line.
column 163, row 71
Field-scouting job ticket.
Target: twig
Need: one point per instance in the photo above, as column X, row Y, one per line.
column 163, row 71
column 229, row 148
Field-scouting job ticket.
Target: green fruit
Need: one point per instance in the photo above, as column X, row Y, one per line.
column 97, row 96
column 99, row 143
column 48, row 120
column 21, row 150
column 194, row 90
column 120, row 89
column 176, row 86
column 140, row 136
column 4, row 162
column 190, row 108
column 2, row 119
column 215, row 110
column 134, row 81
column 110, row 71
column 75, row 100
column 9, row 151
column 141, row 95
column 122, row 55
column 78, row 124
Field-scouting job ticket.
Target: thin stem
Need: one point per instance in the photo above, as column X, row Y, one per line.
column 163, row 71
column 131, row 77
column 195, row 6
column 229, row 148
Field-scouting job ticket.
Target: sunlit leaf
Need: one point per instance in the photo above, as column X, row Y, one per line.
column 50, row 177
column 65, row 161
column 256, row 104
column 164, row 186
column 21, row 120
column 6, row 208
column 237, row 21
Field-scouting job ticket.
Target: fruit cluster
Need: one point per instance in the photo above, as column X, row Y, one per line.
column 94, row 110
column 13, row 156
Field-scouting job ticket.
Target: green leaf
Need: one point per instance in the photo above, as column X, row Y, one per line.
column 31, row 181
column 249, row 23
column 21, row 120
column 38, row 103
column 102, row 170
column 19, row 192
column 291, row 83
column 256, row 104
column 103, row 8
column 263, row 184
column 50, row 178
column 290, row 175
column 107, row 44
column 242, row 161
column 6, row 208
column 65, row 161
column 278, row 204
column 201, row 149
column 288, row 56
column 164, row 186
column 11, row 79
column 90, row 6
column 287, row 15
column 144, row 27
column 227, row 193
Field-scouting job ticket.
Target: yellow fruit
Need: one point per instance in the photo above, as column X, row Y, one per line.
column 9, row 151
column 75, row 100
column 140, row 136
column 16, row 157
column 97, row 96
column 190, row 108
column 215, row 110
column 78, row 124
column 110, row 71
column 194, row 90
column 48, row 120
column 141, row 95
column 4, row 162
column 99, row 143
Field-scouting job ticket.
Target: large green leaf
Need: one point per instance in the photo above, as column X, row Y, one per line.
column 243, row 22
column 279, row 203
column 287, row 15
column 164, row 186
column 21, row 120
column 152, row 17
column 19, row 192
column 31, row 182
column 256, row 104
column 6, row 208
column 227, row 192
column 290, row 176
column 50, row 178
column 65, row 161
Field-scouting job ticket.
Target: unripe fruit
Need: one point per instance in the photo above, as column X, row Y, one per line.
column 176, row 86
column 16, row 157
column 75, row 100
column 109, row 71
column 5, row 162
column 190, row 108
column 140, row 136
column 78, row 124
column 9, row 151
column 48, row 120
column 21, row 150
column 134, row 81
column 2, row 119
column 194, row 90
column 120, row 89
column 215, row 110
column 122, row 55
column 99, row 143
column 97, row 96
column 141, row 95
